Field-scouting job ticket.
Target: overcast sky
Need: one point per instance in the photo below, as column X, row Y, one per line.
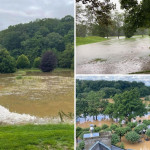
column 21, row 11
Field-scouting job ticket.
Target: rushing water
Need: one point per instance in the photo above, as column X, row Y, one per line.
column 120, row 56
column 40, row 95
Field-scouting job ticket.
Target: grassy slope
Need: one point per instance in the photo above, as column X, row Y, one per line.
column 37, row 137
column 88, row 40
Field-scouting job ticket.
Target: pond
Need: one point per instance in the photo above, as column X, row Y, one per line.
column 37, row 94
column 114, row 56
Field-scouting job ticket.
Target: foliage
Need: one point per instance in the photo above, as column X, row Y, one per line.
column 132, row 124
column 121, row 145
column 132, row 136
column 81, row 145
column 37, row 62
column 140, row 128
column 34, row 38
column 23, row 62
column 120, row 132
column 48, row 61
column 97, row 129
column 148, row 132
column 113, row 127
column 127, row 129
column 104, row 126
column 7, row 63
column 146, row 122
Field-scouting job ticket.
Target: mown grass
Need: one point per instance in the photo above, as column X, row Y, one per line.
column 37, row 137
column 89, row 39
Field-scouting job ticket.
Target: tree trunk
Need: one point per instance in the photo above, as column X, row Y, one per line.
column 96, row 117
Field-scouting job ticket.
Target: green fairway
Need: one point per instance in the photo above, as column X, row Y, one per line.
column 37, row 137
column 88, row 40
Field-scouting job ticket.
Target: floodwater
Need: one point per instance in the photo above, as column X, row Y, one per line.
column 120, row 56
column 144, row 145
column 40, row 95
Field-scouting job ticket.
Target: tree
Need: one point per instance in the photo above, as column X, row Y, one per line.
column 115, row 139
column 128, row 105
column 23, row 62
column 132, row 137
column 37, row 62
column 48, row 61
column 120, row 132
column 7, row 63
column 139, row 129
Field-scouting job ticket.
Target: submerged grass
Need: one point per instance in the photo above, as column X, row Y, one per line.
column 97, row 60
column 89, row 39
column 37, row 137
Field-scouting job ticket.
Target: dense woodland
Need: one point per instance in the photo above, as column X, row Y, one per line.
column 101, row 18
column 93, row 98
column 33, row 39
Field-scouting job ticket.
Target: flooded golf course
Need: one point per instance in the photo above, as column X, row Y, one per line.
column 36, row 97
column 143, row 145
column 114, row 56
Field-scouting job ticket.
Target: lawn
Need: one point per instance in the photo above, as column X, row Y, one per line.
column 88, row 40
column 37, row 137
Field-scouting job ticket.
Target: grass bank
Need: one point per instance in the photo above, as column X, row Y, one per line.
column 89, row 39
column 37, row 137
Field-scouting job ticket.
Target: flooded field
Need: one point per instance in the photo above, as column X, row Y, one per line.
column 37, row 94
column 143, row 145
column 114, row 56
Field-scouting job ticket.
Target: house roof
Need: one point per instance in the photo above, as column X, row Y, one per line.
column 101, row 146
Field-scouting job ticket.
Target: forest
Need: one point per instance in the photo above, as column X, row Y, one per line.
column 93, row 98
column 23, row 45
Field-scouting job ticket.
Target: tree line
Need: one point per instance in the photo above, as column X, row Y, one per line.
column 30, row 41
column 93, row 99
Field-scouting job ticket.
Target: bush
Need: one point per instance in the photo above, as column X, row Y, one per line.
column 121, row 145
column 78, row 131
column 104, row 126
column 147, row 122
column 48, row 61
column 139, row 128
column 148, row 132
column 120, row 132
column 132, row 137
column 23, row 62
column 115, row 139
column 37, row 62
column 127, row 129
column 97, row 129
column 132, row 124
column 113, row 127
column 81, row 145
column 7, row 63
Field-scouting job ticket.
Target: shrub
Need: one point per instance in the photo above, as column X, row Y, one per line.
column 121, row 145
column 97, row 129
column 37, row 62
column 81, row 145
column 104, row 126
column 132, row 124
column 78, row 131
column 48, row 61
column 147, row 122
column 132, row 136
column 115, row 139
column 148, row 132
column 23, row 62
column 127, row 129
column 7, row 63
column 139, row 128
column 113, row 127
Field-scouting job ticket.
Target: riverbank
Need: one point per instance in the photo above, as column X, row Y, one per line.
column 37, row 137
column 89, row 40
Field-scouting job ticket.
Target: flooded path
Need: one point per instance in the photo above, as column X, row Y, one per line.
column 37, row 95
column 114, row 56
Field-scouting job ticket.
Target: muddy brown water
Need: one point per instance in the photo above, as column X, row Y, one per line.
column 38, row 94
column 121, row 56
column 144, row 145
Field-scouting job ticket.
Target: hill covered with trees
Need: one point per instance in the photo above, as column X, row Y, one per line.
column 31, row 40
